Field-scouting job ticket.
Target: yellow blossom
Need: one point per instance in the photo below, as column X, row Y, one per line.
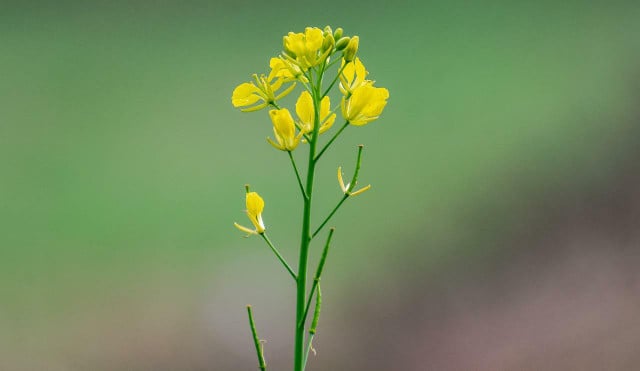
column 365, row 104
column 284, row 129
column 353, row 76
column 306, row 113
column 255, row 205
column 305, row 49
column 286, row 70
column 261, row 89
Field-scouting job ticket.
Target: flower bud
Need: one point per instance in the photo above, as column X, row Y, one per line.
column 328, row 30
column 328, row 43
column 351, row 49
column 342, row 43
column 337, row 34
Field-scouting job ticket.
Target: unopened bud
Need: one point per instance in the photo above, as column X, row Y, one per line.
column 327, row 30
column 328, row 42
column 342, row 43
column 338, row 33
column 351, row 49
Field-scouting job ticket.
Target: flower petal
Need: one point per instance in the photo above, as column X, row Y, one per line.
column 245, row 94
column 305, row 111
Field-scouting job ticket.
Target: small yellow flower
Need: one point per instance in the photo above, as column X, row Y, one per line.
column 306, row 113
column 345, row 187
column 365, row 104
column 353, row 76
column 262, row 88
column 282, row 68
column 284, row 129
column 305, row 49
column 255, row 205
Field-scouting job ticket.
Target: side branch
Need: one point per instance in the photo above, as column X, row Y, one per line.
column 326, row 220
column 316, row 279
column 326, row 146
column 346, row 189
column 295, row 168
column 312, row 329
column 275, row 251
column 335, row 79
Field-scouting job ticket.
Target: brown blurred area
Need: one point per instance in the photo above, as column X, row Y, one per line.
column 562, row 291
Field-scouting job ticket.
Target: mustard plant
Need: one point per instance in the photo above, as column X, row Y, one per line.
column 308, row 61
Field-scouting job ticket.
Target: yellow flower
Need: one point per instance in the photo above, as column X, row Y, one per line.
column 284, row 130
column 365, row 104
column 286, row 70
column 306, row 113
column 353, row 76
column 305, row 49
column 346, row 187
column 262, row 88
column 255, row 205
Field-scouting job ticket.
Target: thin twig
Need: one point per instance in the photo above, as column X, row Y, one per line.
column 256, row 340
column 326, row 146
column 295, row 168
column 275, row 251
column 318, row 275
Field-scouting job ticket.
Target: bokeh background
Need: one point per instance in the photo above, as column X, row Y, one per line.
column 501, row 233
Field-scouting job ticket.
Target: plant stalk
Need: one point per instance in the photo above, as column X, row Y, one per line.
column 305, row 238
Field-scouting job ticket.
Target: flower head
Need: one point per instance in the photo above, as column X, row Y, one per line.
column 305, row 49
column 306, row 113
column 286, row 70
column 284, row 129
column 365, row 104
column 262, row 89
column 255, row 205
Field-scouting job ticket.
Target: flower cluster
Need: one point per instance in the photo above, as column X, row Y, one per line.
column 305, row 56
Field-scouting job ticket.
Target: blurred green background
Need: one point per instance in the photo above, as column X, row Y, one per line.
column 501, row 231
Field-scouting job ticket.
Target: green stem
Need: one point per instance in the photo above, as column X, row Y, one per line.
column 352, row 184
column 300, row 128
column 326, row 146
column 326, row 220
column 314, row 324
column 316, row 280
column 309, row 346
column 334, row 62
column 305, row 238
column 316, row 312
column 275, row 251
column 262, row 364
column 295, row 168
column 354, row 179
column 335, row 80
